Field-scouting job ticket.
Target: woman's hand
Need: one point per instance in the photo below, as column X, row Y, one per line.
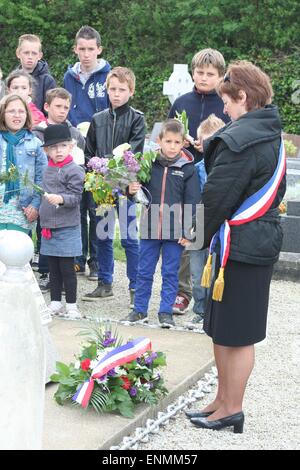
column 134, row 187
column 31, row 213
column 184, row 242
column 54, row 199
column 199, row 145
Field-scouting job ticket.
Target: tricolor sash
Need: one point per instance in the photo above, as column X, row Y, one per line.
column 118, row 356
column 252, row 208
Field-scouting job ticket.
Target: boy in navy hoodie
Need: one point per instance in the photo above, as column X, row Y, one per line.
column 208, row 66
column 165, row 225
column 86, row 81
column 29, row 52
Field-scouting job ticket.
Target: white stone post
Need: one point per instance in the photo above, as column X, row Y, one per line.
column 22, row 356
column 179, row 82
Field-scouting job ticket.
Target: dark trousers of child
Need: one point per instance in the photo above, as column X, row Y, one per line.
column 148, row 257
column 62, row 273
column 126, row 211
column 88, row 230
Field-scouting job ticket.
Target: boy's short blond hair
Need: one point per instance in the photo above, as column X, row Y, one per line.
column 207, row 57
column 57, row 93
column 30, row 38
column 124, row 75
column 209, row 126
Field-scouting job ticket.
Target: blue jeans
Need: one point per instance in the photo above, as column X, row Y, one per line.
column 88, row 233
column 198, row 260
column 149, row 254
column 126, row 211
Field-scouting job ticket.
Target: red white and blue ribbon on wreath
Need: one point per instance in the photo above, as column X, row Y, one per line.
column 252, row 208
column 118, row 356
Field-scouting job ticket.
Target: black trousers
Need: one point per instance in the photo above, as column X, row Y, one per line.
column 62, row 273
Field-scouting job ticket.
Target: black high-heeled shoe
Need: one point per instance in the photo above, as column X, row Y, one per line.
column 198, row 414
column 236, row 420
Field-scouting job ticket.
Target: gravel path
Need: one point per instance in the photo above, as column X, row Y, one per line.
column 272, row 398
column 117, row 307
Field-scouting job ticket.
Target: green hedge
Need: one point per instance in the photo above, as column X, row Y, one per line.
column 151, row 36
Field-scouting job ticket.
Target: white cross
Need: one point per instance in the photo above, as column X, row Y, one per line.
column 180, row 82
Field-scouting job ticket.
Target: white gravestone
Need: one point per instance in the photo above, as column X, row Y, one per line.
column 22, row 356
column 179, row 83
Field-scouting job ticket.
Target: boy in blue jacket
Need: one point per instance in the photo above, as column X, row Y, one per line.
column 86, row 81
column 165, row 226
column 208, row 66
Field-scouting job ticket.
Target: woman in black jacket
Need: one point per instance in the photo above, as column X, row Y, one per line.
column 244, row 157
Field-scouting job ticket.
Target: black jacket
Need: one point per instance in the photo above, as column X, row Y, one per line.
column 240, row 159
column 111, row 128
column 175, row 190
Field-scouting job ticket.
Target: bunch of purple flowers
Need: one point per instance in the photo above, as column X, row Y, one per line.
column 99, row 165
column 110, row 177
column 130, row 162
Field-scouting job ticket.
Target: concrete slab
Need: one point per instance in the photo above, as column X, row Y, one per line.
column 189, row 356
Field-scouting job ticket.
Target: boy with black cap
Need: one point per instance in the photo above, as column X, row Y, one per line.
column 60, row 218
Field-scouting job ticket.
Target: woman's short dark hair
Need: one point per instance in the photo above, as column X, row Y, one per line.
column 245, row 76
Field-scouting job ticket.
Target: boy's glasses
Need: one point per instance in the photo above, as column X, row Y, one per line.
column 226, row 77
column 16, row 112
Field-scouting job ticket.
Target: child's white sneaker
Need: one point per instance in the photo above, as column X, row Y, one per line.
column 56, row 308
column 72, row 312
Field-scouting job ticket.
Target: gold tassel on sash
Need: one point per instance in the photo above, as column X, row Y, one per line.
column 219, row 286
column 206, row 276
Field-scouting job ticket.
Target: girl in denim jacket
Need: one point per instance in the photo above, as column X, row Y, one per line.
column 18, row 146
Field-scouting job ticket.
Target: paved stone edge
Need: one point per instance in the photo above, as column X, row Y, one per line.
column 151, row 412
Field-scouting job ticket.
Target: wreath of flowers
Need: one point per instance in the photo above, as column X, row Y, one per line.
column 110, row 376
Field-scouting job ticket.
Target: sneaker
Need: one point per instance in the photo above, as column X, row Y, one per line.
column 35, row 262
column 101, row 291
column 166, row 320
column 93, row 276
column 56, row 308
column 131, row 295
column 196, row 322
column 181, row 305
column 79, row 269
column 72, row 312
column 135, row 317
column 44, row 282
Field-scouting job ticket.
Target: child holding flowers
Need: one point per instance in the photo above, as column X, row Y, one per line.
column 60, row 218
column 109, row 129
column 164, row 227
